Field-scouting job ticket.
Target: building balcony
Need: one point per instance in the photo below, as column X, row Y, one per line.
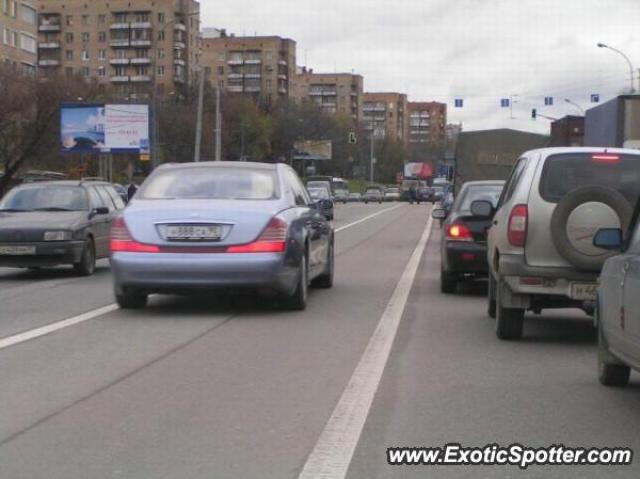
column 119, row 26
column 142, row 25
column 179, row 45
column 282, row 90
column 48, row 63
column 235, row 61
column 235, row 76
column 119, row 79
column 141, row 43
column 254, row 76
column 282, row 62
column 235, row 88
column 282, row 77
column 252, row 89
column 49, row 45
column 119, row 61
column 49, row 27
column 141, row 61
column 253, row 61
column 179, row 61
column 179, row 79
column 141, row 78
column 119, row 43
column 180, row 26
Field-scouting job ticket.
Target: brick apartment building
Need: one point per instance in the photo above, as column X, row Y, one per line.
column 427, row 123
column 136, row 47
column 257, row 67
column 18, row 34
column 387, row 113
column 339, row 93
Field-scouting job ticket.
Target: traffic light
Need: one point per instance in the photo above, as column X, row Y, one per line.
column 534, row 113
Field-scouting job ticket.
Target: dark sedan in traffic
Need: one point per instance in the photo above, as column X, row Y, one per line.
column 56, row 223
column 230, row 225
column 463, row 247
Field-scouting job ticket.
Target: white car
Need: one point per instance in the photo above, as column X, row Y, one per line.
column 540, row 244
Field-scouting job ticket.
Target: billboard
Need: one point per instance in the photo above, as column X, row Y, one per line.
column 417, row 171
column 104, row 128
column 312, row 150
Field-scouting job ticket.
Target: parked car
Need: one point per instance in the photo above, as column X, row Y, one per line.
column 324, row 203
column 373, row 194
column 540, row 245
column 618, row 305
column 355, row 197
column 122, row 191
column 463, row 245
column 392, row 194
column 341, row 196
column 229, row 225
column 57, row 222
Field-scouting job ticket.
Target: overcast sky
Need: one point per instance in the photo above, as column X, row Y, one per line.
column 478, row 50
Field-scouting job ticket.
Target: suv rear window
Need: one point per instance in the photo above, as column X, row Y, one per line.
column 564, row 173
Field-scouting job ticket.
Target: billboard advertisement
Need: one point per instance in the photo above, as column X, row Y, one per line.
column 417, row 171
column 312, row 150
column 104, row 128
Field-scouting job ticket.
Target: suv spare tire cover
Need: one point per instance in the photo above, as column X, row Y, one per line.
column 577, row 217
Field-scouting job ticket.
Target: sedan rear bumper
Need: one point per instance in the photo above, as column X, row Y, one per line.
column 174, row 272
column 47, row 254
column 466, row 258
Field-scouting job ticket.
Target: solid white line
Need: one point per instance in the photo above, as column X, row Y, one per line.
column 362, row 220
column 50, row 328
column 334, row 450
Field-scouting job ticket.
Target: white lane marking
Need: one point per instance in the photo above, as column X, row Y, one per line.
column 362, row 220
column 65, row 323
column 334, row 450
column 50, row 328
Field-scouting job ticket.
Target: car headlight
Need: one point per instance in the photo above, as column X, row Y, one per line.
column 57, row 235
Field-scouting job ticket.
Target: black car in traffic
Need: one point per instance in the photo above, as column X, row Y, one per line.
column 463, row 246
column 56, row 223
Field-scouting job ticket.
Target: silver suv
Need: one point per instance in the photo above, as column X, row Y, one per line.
column 540, row 244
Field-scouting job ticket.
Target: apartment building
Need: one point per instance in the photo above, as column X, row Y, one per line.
column 135, row 47
column 339, row 93
column 18, row 34
column 386, row 114
column 427, row 122
column 260, row 67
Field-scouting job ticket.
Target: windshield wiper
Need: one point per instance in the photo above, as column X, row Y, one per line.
column 11, row 210
column 52, row 208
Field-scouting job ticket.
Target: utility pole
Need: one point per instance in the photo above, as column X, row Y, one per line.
column 372, row 159
column 218, row 130
column 199, row 117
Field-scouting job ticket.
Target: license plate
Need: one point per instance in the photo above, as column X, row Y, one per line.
column 194, row 232
column 584, row 291
column 17, row 250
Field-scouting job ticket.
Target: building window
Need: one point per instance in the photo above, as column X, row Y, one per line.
column 85, row 37
column 29, row 15
column 160, row 71
column 68, row 37
column 5, row 7
column 85, row 72
column 85, row 55
column 28, row 43
column 68, row 71
column 69, row 20
column 68, row 55
column 161, row 53
column 7, row 36
column 102, row 37
column 85, row 19
column 102, row 19
column 102, row 71
column 161, row 35
column 142, row 17
column 14, row 9
column 221, row 56
column 102, row 54
column 220, row 70
column 161, row 17
column 121, row 71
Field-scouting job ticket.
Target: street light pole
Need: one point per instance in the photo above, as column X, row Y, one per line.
column 199, row 116
column 573, row 103
column 218, row 151
column 372, row 159
column 602, row 45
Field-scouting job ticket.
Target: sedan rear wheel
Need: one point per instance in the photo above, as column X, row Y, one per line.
column 298, row 300
column 87, row 264
column 131, row 300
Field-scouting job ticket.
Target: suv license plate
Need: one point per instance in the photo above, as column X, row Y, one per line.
column 584, row 291
column 17, row 250
column 194, row 232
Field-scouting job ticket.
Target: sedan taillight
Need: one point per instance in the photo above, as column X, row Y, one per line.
column 459, row 232
column 122, row 241
column 272, row 240
column 518, row 223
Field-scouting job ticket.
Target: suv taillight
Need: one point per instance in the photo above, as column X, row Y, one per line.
column 518, row 221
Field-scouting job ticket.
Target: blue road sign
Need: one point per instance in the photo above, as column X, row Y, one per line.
column 595, row 98
column 504, row 102
column 459, row 102
column 548, row 100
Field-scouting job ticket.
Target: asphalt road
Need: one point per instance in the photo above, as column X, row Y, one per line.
column 223, row 387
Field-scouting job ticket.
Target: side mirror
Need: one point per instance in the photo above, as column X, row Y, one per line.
column 101, row 210
column 439, row 214
column 608, row 238
column 482, row 208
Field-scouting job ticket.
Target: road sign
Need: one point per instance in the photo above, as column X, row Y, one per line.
column 145, row 157
column 459, row 103
column 548, row 100
column 595, row 98
column 352, row 138
column 504, row 102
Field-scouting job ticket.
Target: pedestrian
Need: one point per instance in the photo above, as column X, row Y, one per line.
column 131, row 191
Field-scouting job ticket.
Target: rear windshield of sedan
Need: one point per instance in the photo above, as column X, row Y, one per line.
column 565, row 173
column 43, row 198
column 211, row 183
column 473, row 193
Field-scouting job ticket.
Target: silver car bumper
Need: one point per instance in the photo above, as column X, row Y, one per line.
column 172, row 272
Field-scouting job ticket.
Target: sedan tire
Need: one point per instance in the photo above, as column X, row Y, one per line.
column 448, row 283
column 509, row 321
column 325, row 280
column 131, row 300
column 87, row 264
column 298, row 300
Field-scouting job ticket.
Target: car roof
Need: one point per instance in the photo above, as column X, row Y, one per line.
column 63, row 183
column 220, row 164
column 582, row 149
column 484, row 182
